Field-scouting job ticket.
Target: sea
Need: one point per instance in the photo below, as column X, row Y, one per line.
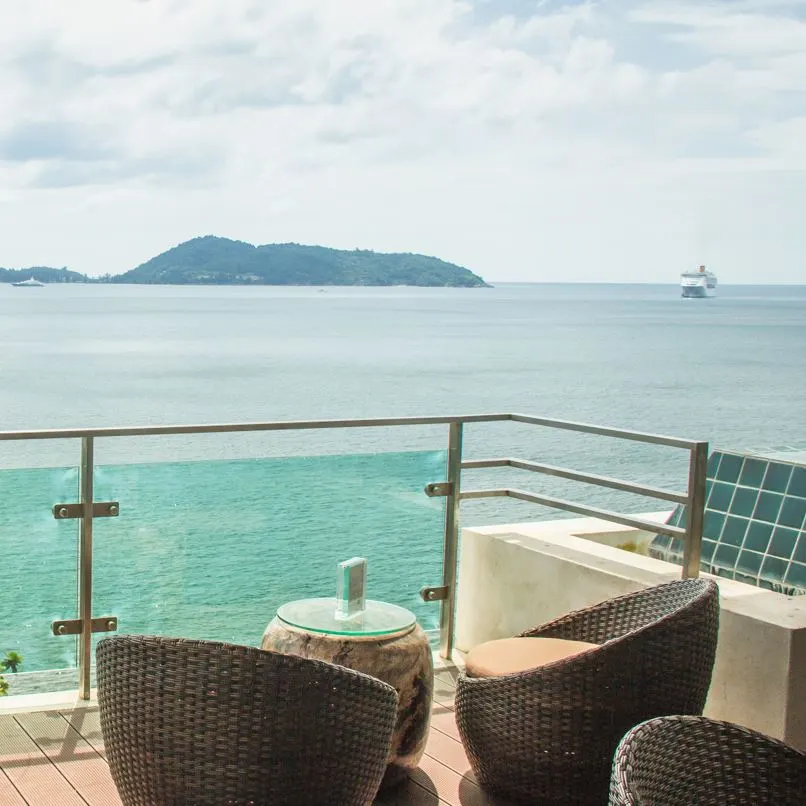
column 216, row 531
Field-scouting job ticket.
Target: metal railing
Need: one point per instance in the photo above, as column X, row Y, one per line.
column 87, row 509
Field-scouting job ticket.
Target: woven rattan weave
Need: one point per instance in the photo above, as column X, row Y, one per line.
column 548, row 735
column 206, row 724
column 694, row 761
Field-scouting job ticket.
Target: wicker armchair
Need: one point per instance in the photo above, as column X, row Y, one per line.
column 694, row 761
column 204, row 724
column 548, row 735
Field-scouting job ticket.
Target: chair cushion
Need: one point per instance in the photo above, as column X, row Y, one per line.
column 512, row 655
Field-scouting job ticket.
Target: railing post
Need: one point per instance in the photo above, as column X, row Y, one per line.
column 450, row 555
column 85, row 569
column 695, row 510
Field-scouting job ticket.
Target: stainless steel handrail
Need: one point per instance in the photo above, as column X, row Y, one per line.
column 573, row 475
column 587, row 428
column 579, row 509
column 369, row 422
column 226, row 428
column 693, row 498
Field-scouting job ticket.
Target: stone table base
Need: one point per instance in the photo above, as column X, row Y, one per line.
column 403, row 660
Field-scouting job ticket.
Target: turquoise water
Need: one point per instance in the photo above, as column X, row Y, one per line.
column 211, row 549
column 212, row 535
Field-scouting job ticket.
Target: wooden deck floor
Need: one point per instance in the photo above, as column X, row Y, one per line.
column 56, row 758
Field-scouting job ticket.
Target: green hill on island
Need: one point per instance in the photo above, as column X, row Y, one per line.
column 45, row 274
column 210, row 260
column 220, row 261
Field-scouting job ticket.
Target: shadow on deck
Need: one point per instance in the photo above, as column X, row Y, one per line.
column 57, row 757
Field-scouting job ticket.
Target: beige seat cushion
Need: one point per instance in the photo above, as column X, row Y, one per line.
column 511, row 655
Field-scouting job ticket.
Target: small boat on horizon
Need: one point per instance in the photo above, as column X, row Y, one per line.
column 29, row 283
column 698, row 284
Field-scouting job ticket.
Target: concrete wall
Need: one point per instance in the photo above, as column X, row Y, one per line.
column 521, row 575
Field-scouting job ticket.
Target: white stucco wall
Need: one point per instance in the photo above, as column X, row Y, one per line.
column 521, row 575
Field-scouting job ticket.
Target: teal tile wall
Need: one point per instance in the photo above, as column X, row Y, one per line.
column 755, row 523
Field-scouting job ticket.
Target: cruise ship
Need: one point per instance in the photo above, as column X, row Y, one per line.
column 700, row 283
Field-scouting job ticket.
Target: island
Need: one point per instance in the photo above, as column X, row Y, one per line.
column 211, row 260
column 44, row 274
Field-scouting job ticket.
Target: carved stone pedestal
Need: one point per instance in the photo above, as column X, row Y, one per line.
column 402, row 659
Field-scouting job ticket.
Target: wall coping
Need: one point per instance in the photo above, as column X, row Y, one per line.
column 570, row 539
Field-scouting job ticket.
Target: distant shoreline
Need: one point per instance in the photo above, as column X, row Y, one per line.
column 211, row 260
column 490, row 284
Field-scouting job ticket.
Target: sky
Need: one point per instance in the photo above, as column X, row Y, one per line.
column 529, row 140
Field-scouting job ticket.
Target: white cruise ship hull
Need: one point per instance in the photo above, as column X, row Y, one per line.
column 697, row 291
column 698, row 285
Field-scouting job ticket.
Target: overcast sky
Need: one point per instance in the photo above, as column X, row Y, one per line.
column 526, row 140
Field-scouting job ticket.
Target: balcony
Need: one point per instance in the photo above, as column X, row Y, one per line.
column 129, row 529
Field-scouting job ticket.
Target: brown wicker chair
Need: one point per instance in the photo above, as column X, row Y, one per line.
column 203, row 723
column 694, row 761
column 548, row 735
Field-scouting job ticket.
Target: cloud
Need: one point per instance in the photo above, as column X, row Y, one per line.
column 50, row 139
column 530, row 131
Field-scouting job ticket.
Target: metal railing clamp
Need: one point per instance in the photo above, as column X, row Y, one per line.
column 106, row 509
column 73, row 626
column 439, row 489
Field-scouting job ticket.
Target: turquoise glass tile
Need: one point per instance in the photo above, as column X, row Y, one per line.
column 734, row 531
column 744, row 502
column 726, row 556
column 712, row 525
column 729, row 468
column 768, row 507
column 758, row 536
column 754, row 516
column 707, row 551
column 797, row 484
column 752, row 472
column 777, row 477
column 783, row 542
column 774, row 568
column 792, row 512
column 661, row 542
column 749, row 562
column 720, row 497
column 796, row 575
column 746, row 578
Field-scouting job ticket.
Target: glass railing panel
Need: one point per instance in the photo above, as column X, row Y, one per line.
column 211, row 549
column 39, row 579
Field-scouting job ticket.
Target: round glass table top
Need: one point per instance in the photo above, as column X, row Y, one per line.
column 319, row 615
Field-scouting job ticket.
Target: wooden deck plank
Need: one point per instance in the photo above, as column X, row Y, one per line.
column 74, row 757
column 8, row 792
column 444, row 720
column 454, row 789
column 449, row 752
column 57, row 757
column 410, row 793
column 87, row 721
column 33, row 774
column 444, row 690
column 447, row 675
